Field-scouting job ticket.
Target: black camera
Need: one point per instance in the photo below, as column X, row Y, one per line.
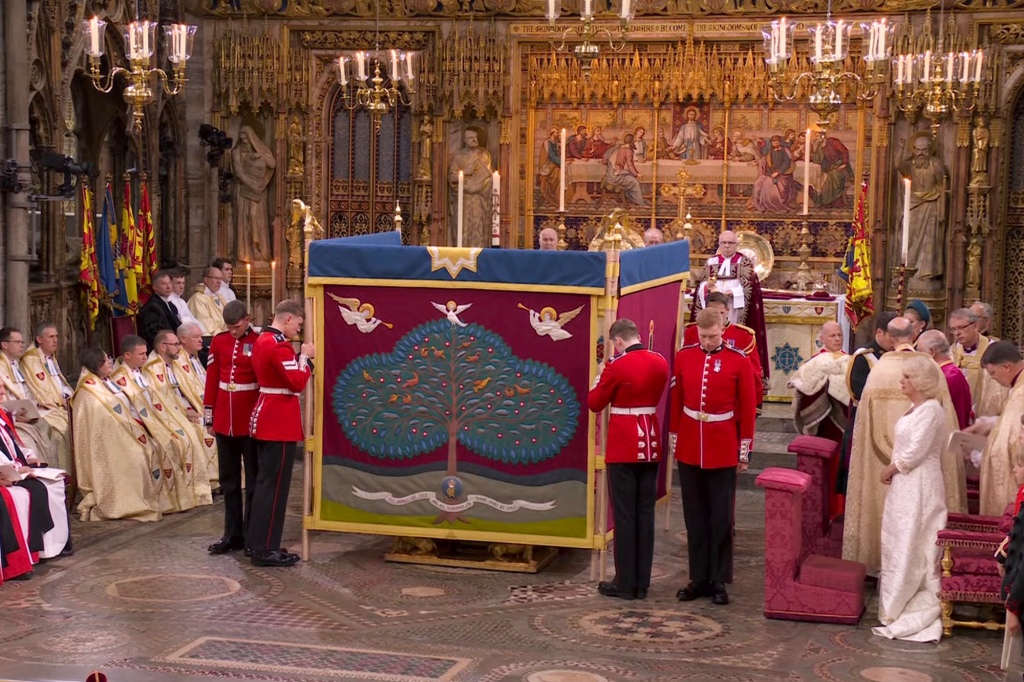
column 9, row 181
column 216, row 139
column 57, row 162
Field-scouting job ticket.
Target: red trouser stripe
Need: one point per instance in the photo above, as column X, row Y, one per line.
column 273, row 509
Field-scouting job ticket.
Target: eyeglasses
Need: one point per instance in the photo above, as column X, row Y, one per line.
column 962, row 327
column 171, row 343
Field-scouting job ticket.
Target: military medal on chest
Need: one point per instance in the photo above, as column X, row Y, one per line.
column 718, row 364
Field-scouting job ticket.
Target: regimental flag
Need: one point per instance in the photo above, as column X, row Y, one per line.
column 127, row 302
column 856, row 268
column 88, row 273
column 104, row 242
column 147, row 245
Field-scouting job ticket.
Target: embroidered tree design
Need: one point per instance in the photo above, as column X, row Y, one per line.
column 448, row 384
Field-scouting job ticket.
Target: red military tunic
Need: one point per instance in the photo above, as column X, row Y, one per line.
column 633, row 384
column 231, row 388
column 713, row 407
column 741, row 338
column 281, row 375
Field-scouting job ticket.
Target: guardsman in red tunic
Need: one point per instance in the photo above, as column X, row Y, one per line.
column 276, row 427
column 633, row 385
column 228, row 402
column 713, row 409
column 735, row 335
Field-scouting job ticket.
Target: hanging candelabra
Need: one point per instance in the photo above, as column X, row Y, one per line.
column 587, row 35
column 372, row 86
column 140, row 43
column 828, row 84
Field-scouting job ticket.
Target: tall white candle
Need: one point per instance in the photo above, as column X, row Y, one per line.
column 496, row 209
column 817, row 42
column 561, row 174
column 625, row 10
column 899, row 69
column 950, row 59
column 458, row 214
column 807, row 171
column 395, row 73
column 145, row 39
column 248, row 287
column 588, row 8
column 342, row 77
column 133, row 46
column 408, row 67
column 965, row 61
column 839, row 39
column 273, row 286
column 94, row 35
column 905, row 246
column 552, row 10
column 782, row 38
column 977, row 66
column 926, row 76
column 361, row 65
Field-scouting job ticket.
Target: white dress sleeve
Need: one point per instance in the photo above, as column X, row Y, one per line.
column 919, row 441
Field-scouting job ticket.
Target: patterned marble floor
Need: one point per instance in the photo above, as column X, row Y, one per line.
column 146, row 602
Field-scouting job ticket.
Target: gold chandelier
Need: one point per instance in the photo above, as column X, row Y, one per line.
column 140, row 42
column 587, row 33
column 937, row 74
column 380, row 92
column 827, row 83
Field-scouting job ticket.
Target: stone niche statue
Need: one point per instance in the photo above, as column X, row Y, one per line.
column 253, row 166
column 475, row 163
column 927, row 248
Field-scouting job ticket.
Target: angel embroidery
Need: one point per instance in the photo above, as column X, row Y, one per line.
column 452, row 310
column 549, row 323
column 359, row 314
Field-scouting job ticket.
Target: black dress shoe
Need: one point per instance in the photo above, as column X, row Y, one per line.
column 694, row 590
column 276, row 558
column 68, row 550
column 641, row 594
column 23, row 576
column 610, row 589
column 248, row 553
column 718, row 594
column 225, row 545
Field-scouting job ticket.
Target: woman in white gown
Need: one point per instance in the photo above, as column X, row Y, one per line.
column 915, row 511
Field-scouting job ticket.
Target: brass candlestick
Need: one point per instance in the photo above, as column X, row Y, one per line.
column 804, row 277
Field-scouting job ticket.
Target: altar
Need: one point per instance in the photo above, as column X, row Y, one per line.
column 792, row 325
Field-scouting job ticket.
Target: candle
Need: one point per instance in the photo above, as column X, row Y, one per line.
column 817, row 43
column 588, row 8
column 552, row 10
column 625, row 10
column 899, row 70
column 458, row 218
column 408, row 67
column 273, row 286
column 807, row 170
column 133, row 47
column 395, row 74
column 561, row 175
column 977, row 66
column 145, row 39
column 94, row 36
column 361, row 65
column 839, row 40
column 927, row 73
column 782, row 38
column 906, row 220
column 248, row 287
column 496, row 209
column 965, row 60
column 342, row 78
column 950, row 59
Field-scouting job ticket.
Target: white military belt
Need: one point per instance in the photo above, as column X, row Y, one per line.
column 233, row 387
column 707, row 416
column 633, row 410
column 277, row 391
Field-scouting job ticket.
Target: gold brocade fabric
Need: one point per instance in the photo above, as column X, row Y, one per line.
column 156, row 374
column 998, row 487
column 881, row 406
column 117, row 468
column 46, row 389
column 987, row 396
column 193, row 384
column 177, row 445
column 209, row 310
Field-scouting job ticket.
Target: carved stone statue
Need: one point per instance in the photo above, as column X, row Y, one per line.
column 296, row 152
column 425, row 168
column 475, row 164
column 979, row 157
column 253, row 166
column 927, row 207
column 973, row 278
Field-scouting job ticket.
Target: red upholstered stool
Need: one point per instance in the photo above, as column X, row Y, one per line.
column 819, row 458
column 817, row 588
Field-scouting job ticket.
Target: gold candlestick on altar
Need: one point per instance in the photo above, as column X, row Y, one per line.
column 562, row 244
column 803, row 271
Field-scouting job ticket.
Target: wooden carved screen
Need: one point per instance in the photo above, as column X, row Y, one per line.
column 371, row 170
column 1013, row 273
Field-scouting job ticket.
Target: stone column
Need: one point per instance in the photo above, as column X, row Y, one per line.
column 16, row 49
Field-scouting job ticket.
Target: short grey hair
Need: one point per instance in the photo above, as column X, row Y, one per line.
column 933, row 341
column 964, row 314
column 986, row 309
column 186, row 327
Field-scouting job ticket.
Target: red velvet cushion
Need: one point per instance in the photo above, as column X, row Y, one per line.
column 812, row 445
column 833, row 574
column 780, row 478
column 971, row 588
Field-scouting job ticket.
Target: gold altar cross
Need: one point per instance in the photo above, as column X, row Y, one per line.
column 682, row 192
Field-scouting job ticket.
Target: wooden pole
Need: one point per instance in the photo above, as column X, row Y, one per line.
column 309, row 336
